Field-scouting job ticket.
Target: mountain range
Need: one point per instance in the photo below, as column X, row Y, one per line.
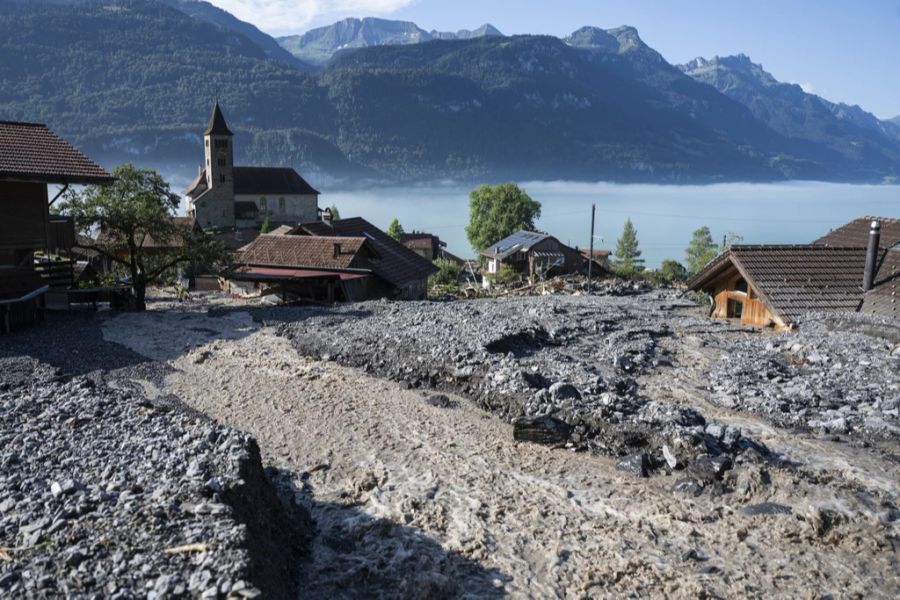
column 318, row 46
column 376, row 100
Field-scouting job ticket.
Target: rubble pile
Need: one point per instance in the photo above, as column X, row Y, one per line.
column 564, row 369
column 105, row 494
column 837, row 375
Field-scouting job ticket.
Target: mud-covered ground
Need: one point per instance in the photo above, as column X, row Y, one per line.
column 391, row 423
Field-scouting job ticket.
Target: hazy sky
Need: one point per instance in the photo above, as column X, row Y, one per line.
column 843, row 50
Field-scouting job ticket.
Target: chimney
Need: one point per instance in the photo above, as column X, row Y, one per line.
column 327, row 216
column 337, row 249
column 871, row 255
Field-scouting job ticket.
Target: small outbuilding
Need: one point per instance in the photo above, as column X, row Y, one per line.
column 32, row 157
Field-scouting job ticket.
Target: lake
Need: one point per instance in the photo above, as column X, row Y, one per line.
column 664, row 216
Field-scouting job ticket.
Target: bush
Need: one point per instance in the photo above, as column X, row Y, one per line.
column 448, row 273
column 505, row 276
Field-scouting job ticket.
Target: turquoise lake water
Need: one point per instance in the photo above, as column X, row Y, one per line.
column 664, row 216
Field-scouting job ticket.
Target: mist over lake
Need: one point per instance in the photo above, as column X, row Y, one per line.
column 665, row 216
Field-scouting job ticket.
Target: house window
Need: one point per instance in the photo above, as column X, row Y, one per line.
column 281, row 204
column 735, row 309
column 222, row 144
column 263, row 203
column 207, row 143
column 740, row 285
column 222, row 178
column 223, row 162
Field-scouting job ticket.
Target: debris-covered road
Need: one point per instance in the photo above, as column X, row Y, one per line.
column 671, row 468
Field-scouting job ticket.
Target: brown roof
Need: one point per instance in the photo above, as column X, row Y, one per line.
column 302, row 251
column 254, row 181
column 794, row 280
column 397, row 264
column 185, row 226
column 884, row 297
column 282, row 230
column 856, row 233
column 597, row 253
column 32, row 152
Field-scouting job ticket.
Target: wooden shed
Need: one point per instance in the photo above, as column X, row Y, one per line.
column 31, row 158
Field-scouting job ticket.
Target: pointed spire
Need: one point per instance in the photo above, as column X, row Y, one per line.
column 217, row 125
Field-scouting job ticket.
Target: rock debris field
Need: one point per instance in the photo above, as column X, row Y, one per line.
column 555, row 446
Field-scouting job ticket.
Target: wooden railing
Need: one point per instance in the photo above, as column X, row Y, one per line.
column 57, row 273
column 19, row 313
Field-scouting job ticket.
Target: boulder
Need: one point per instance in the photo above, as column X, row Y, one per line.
column 541, row 430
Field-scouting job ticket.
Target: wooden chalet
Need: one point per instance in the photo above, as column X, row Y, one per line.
column 534, row 255
column 31, row 158
column 855, row 268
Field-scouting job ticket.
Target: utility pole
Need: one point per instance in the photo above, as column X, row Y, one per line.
column 591, row 251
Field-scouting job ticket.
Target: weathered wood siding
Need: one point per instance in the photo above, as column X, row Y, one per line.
column 23, row 216
column 753, row 310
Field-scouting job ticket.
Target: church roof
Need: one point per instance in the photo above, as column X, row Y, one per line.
column 259, row 181
column 270, row 180
column 217, row 124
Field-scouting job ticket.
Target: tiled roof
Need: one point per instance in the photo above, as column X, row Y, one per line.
column 32, row 152
column 258, row 181
column 184, row 225
column 856, row 233
column 397, row 264
column 520, row 240
column 302, row 251
column 884, row 297
column 794, row 280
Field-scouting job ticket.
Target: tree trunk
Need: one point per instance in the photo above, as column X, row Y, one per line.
column 140, row 294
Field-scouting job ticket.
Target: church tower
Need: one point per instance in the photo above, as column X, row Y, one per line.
column 216, row 208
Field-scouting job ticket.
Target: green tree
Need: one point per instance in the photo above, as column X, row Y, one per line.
column 448, row 273
column 701, row 250
column 669, row 271
column 628, row 261
column 266, row 226
column 395, row 229
column 136, row 208
column 496, row 211
column 335, row 213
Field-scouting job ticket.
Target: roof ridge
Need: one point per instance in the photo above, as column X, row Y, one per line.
column 24, row 123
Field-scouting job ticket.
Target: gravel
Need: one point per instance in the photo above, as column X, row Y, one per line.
column 836, row 375
column 574, row 359
column 106, row 494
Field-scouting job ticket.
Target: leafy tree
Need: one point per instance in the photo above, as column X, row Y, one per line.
column 669, row 272
column 266, row 226
column 448, row 272
column 395, row 229
column 496, row 211
column 335, row 213
column 136, row 208
column 628, row 261
column 701, row 250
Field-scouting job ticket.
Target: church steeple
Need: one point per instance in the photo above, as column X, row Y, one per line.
column 217, row 124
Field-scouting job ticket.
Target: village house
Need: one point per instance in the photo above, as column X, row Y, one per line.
column 428, row 246
column 228, row 197
column 32, row 157
column 534, row 255
column 330, row 261
column 855, row 268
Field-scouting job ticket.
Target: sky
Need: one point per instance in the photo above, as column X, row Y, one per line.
column 843, row 50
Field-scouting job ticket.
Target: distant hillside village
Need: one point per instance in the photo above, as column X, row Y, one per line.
column 260, row 232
